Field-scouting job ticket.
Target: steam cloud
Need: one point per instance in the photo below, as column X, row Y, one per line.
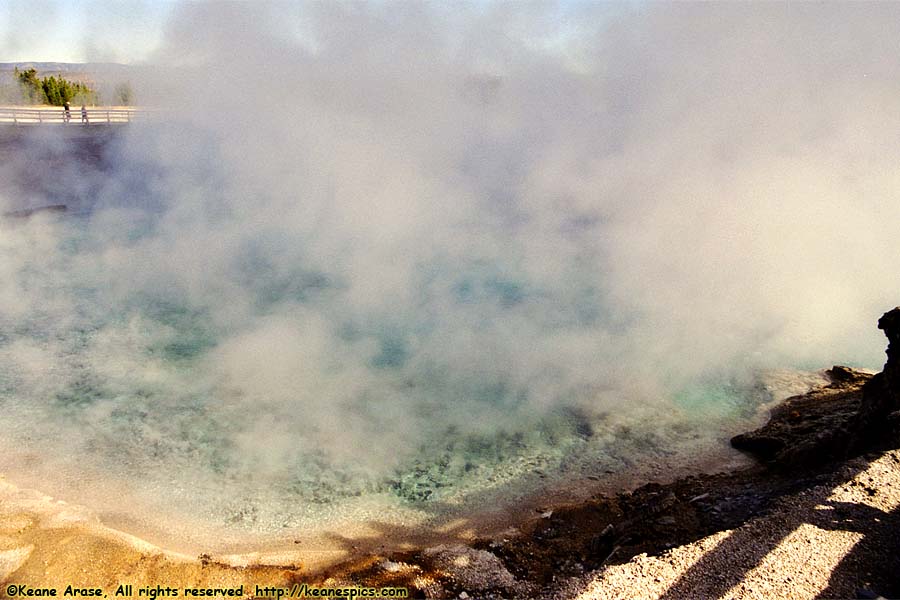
column 361, row 226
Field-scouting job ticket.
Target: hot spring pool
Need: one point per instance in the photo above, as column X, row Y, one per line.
column 271, row 406
column 410, row 268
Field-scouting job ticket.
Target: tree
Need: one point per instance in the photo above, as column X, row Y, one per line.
column 52, row 90
column 32, row 89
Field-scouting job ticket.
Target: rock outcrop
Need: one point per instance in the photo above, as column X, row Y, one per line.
column 857, row 413
column 878, row 424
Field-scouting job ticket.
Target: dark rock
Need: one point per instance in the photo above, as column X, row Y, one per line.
column 27, row 212
column 810, row 428
column 881, row 396
column 849, row 417
column 839, row 373
column 756, row 442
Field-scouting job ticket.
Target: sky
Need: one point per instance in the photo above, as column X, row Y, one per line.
column 130, row 32
column 81, row 30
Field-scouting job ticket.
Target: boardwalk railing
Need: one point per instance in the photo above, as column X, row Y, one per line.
column 75, row 116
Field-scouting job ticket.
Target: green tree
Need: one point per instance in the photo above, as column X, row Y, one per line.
column 52, row 90
column 31, row 88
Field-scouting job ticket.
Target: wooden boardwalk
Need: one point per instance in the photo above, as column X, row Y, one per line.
column 57, row 115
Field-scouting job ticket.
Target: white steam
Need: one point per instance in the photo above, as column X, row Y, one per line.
column 361, row 226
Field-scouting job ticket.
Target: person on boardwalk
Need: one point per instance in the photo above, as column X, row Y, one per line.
column 67, row 112
column 84, row 117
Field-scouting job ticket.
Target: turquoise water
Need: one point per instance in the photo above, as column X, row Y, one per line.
column 270, row 416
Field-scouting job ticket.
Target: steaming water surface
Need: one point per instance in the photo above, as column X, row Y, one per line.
column 402, row 262
column 132, row 394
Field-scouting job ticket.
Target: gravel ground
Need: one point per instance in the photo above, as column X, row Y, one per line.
column 840, row 539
